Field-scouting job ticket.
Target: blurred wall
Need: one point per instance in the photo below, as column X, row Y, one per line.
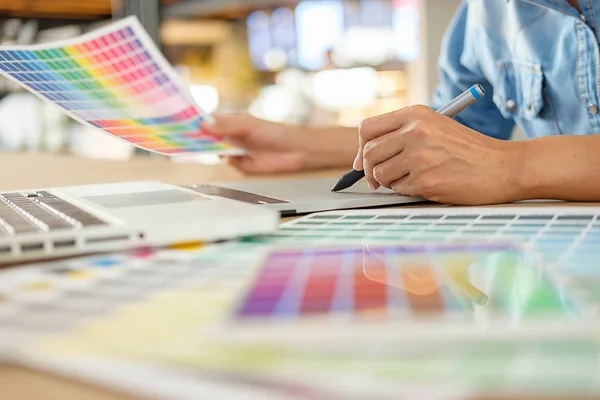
column 435, row 16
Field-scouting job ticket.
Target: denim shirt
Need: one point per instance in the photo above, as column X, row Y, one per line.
column 537, row 59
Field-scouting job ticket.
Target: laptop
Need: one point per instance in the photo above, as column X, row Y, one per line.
column 301, row 196
column 65, row 221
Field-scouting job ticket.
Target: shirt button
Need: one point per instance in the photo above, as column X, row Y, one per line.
column 511, row 105
column 593, row 109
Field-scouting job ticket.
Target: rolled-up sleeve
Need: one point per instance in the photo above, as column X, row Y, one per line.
column 459, row 71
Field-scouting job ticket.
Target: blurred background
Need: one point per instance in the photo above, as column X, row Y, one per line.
column 312, row 62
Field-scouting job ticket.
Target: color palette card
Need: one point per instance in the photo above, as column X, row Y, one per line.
column 320, row 295
column 167, row 328
column 116, row 80
column 162, row 308
column 566, row 237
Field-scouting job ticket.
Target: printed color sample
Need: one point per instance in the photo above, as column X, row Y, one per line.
column 403, row 280
column 567, row 237
column 116, row 80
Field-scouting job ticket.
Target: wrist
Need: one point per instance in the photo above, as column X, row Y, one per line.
column 528, row 178
column 513, row 185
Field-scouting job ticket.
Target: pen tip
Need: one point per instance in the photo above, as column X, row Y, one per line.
column 338, row 186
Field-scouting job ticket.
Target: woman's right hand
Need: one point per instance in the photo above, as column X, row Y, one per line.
column 280, row 148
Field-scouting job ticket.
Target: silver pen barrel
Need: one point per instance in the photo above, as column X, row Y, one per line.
column 463, row 101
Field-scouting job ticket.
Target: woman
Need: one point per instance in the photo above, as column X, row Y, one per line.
column 538, row 61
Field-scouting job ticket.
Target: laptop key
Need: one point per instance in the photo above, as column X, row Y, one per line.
column 67, row 209
column 40, row 212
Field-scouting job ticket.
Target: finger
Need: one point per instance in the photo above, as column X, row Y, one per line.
column 404, row 186
column 372, row 157
column 230, row 126
column 391, row 170
column 241, row 163
column 383, row 148
column 379, row 150
column 259, row 163
column 357, row 165
column 244, row 142
column 380, row 125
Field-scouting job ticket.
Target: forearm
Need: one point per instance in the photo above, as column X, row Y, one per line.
column 559, row 167
column 328, row 147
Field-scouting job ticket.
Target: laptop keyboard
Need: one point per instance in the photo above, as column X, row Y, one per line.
column 40, row 212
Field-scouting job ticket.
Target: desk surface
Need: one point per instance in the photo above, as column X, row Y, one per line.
column 26, row 171
column 30, row 170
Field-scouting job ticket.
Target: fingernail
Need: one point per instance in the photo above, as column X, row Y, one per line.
column 357, row 164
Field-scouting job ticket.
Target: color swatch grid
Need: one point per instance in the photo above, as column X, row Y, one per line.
column 565, row 236
column 153, row 305
column 55, row 297
column 116, row 80
column 159, row 316
column 405, row 284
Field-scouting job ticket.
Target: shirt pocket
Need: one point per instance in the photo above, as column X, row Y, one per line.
column 518, row 92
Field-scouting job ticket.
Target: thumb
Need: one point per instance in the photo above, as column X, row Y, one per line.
column 358, row 161
column 229, row 126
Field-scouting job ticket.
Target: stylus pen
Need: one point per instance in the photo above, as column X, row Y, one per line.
column 451, row 109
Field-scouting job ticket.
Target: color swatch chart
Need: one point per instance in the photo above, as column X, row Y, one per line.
column 116, row 80
column 411, row 286
column 155, row 305
column 159, row 317
column 123, row 307
column 56, row 297
column 566, row 236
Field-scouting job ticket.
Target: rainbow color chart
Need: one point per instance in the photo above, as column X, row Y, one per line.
column 174, row 308
column 323, row 296
column 417, row 280
column 116, row 80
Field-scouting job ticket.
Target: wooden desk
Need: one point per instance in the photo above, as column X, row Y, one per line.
column 25, row 171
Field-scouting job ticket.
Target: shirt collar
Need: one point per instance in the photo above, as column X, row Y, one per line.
column 562, row 6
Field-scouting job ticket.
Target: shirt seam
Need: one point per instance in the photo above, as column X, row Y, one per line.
column 579, row 63
column 594, row 45
column 593, row 18
column 579, row 31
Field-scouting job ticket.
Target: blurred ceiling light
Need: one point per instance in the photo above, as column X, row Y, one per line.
column 274, row 103
column 367, row 46
column 292, row 79
column 206, row 96
column 406, row 31
column 320, row 26
column 275, row 59
column 336, row 89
